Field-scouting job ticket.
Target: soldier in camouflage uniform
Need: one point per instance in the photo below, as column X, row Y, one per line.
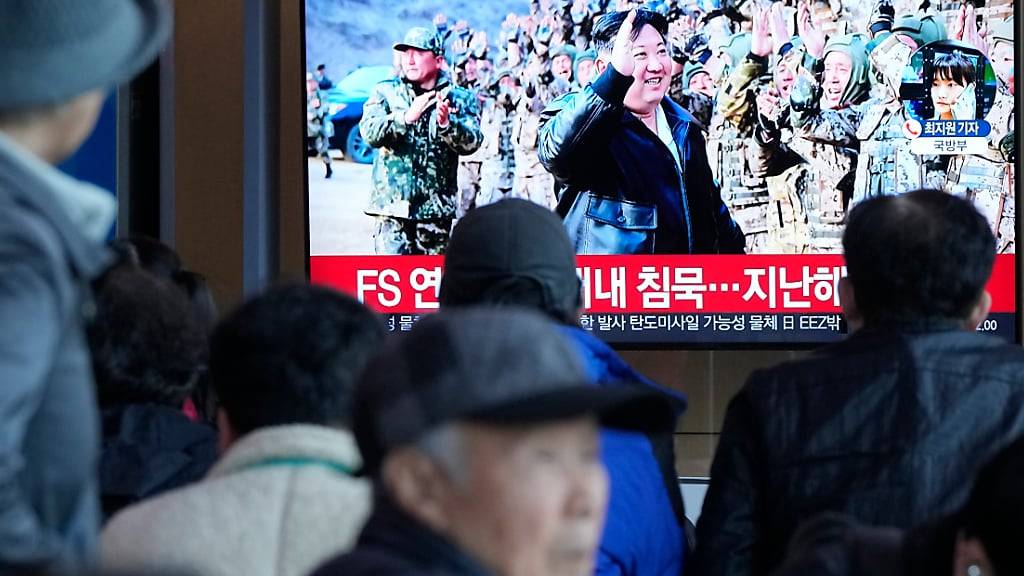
column 825, row 173
column 886, row 165
column 731, row 127
column 988, row 180
column 532, row 181
column 497, row 173
column 319, row 127
column 421, row 124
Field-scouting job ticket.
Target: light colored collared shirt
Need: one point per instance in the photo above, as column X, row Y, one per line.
column 665, row 134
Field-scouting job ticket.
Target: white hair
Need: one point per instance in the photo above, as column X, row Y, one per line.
column 445, row 446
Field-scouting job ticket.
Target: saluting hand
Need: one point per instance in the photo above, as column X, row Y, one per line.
column 622, row 49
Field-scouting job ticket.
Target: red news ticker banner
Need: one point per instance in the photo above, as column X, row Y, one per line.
column 791, row 284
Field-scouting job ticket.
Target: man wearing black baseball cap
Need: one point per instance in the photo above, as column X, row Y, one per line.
column 57, row 60
column 517, row 253
column 481, row 434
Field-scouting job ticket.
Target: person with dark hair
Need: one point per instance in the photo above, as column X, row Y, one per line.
column 59, row 60
column 516, row 253
column 631, row 163
column 480, row 432
column 159, row 259
column 886, row 425
column 952, row 90
column 148, row 351
column 322, row 80
column 283, row 497
column 982, row 538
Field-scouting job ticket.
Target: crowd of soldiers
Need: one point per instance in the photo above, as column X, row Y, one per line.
column 799, row 101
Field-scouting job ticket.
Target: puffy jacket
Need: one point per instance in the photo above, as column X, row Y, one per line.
column 602, row 154
column 888, row 426
column 149, row 449
column 643, row 533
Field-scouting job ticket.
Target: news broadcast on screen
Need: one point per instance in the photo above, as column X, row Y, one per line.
column 703, row 154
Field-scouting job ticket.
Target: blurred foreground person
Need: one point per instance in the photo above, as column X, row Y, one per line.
column 283, row 497
column 57, row 60
column 480, row 431
column 516, row 253
column 981, row 539
column 148, row 349
column 888, row 425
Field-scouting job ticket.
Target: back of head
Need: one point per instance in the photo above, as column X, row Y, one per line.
column 995, row 510
column 512, row 252
column 146, row 344
column 607, row 27
column 292, row 356
column 924, row 255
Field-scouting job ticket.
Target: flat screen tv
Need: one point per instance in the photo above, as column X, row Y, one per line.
column 780, row 116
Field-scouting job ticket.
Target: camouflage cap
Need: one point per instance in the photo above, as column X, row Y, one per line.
column 421, row 39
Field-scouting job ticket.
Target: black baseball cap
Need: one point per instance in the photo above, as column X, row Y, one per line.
column 496, row 245
column 500, row 366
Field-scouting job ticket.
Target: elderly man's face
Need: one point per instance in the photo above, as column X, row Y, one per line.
column 533, row 498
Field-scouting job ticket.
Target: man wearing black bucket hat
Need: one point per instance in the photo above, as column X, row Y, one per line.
column 57, row 58
column 481, row 434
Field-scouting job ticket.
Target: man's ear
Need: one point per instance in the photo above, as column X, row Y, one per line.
column 600, row 64
column 418, row 486
column 848, row 303
column 226, row 434
column 979, row 312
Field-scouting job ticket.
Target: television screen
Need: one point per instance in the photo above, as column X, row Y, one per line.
column 706, row 195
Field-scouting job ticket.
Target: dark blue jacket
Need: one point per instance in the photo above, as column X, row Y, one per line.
column 601, row 154
column 643, row 533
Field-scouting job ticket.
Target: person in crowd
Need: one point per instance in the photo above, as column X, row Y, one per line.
column 323, row 82
column 161, row 260
column 148, row 351
column 887, row 425
column 319, row 127
column 632, row 167
column 516, row 253
column 480, row 431
column 421, row 123
column 284, row 495
column 980, row 539
column 583, row 69
column 57, row 60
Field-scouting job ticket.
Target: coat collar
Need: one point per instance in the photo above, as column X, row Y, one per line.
column 79, row 213
column 293, row 444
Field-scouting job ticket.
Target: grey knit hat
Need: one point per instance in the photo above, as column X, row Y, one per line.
column 54, row 50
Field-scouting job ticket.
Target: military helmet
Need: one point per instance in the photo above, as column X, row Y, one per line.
column 921, row 30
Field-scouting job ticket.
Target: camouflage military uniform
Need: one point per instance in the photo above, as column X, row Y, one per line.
column 745, row 193
column 415, row 194
column 497, row 173
column 532, row 181
column 886, row 165
column 987, row 180
column 469, row 174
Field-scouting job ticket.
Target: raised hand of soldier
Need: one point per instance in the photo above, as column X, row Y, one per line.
column 882, row 17
column 444, row 109
column 768, row 103
column 813, row 37
column 419, row 105
column 971, row 33
column 622, row 49
column 777, row 26
column 760, row 41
